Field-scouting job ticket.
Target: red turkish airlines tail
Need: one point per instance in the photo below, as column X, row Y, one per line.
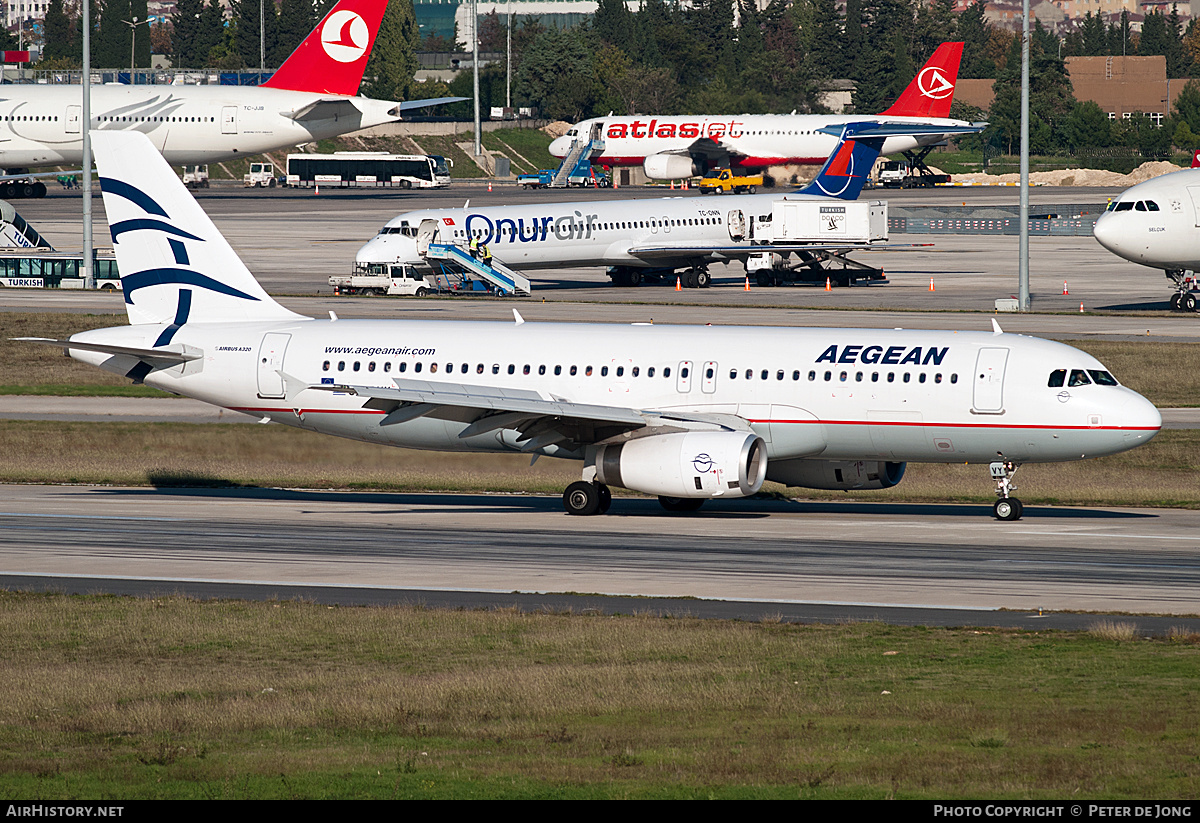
column 932, row 91
column 332, row 58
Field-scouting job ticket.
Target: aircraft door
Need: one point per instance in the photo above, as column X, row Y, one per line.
column 989, row 380
column 428, row 232
column 709, row 377
column 683, row 381
column 666, row 222
column 73, row 115
column 270, row 364
column 229, row 120
column 736, row 221
column 1194, row 191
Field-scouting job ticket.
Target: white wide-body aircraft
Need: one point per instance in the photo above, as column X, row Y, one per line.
column 1157, row 224
column 688, row 413
column 634, row 238
column 673, row 147
column 310, row 97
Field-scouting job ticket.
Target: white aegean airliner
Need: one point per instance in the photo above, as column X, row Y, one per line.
column 672, row 147
column 636, row 238
column 310, row 97
column 687, row 413
column 1157, row 224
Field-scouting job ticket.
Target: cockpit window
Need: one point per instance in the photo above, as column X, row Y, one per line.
column 1151, row 205
column 1102, row 378
column 1139, row 205
column 1127, row 206
column 1079, row 378
column 1057, row 378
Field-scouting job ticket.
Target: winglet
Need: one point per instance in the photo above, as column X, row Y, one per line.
column 932, row 91
column 517, row 316
column 996, row 327
column 331, row 60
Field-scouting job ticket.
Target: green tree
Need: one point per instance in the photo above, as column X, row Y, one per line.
column 1087, row 127
column 249, row 34
column 393, row 63
column 60, row 30
column 296, row 19
column 974, row 31
column 557, row 76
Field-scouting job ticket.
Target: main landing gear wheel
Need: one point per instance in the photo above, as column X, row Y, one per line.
column 1187, row 302
column 584, row 498
column 1175, row 301
column 681, row 504
column 703, row 279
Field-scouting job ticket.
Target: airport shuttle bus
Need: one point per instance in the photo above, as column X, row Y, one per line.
column 368, row 168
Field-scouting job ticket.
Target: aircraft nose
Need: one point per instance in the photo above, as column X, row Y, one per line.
column 559, row 146
column 1140, row 419
column 1106, row 233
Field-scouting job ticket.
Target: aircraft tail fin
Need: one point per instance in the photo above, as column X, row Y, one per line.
column 1196, row 159
column 847, row 169
column 175, row 265
column 859, row 144
column 932, row 91
column 332, row 58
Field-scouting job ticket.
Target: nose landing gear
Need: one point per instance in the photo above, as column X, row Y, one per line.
column 1006, row 507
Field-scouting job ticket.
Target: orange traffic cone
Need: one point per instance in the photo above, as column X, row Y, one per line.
column 747, row 282
column 931, row 288
column 317, row 189
column 672, row 185
column 1081, row 307
column 1065, row 287
column 828, row 285
column 489, row 185
column 678, row 283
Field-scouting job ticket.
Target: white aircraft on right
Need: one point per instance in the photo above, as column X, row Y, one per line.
column 1157, row 224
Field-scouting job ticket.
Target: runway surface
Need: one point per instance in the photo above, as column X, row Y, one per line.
column 904, row 563
column 856, row 558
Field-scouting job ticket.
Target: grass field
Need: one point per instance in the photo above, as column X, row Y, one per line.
column 177, row 698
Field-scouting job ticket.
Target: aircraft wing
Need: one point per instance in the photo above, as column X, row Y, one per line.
column 541, row 420
column 661, row 252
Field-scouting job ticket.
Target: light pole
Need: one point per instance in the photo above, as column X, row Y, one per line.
column 133, row 24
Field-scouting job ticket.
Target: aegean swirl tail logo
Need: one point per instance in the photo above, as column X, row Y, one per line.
column 182, row 274
column 344, row 36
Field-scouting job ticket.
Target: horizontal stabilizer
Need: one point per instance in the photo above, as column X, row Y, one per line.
column 409, row 105
column 164, row 355
column 870, row 129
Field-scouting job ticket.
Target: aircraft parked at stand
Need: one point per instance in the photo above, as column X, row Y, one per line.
column 1157, row 224
column 634, row 238
column 310, row 97
column 688, row 413
column 680, row 146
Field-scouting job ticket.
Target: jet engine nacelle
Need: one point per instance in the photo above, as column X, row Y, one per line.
column 669, row 167
column 686, row 464
column 837, row 475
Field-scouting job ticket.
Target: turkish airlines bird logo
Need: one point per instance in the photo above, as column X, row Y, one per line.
column 345, row 36
column 933, row 84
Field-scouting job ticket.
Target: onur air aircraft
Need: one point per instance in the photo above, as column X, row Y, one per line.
column 634, row 238
column 1157, row 224
column 675, row 147
column 687, row 413
column 310, row 97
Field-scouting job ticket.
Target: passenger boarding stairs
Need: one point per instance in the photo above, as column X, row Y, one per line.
column 16, row 233
column 578, row 162
column 499, row 275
